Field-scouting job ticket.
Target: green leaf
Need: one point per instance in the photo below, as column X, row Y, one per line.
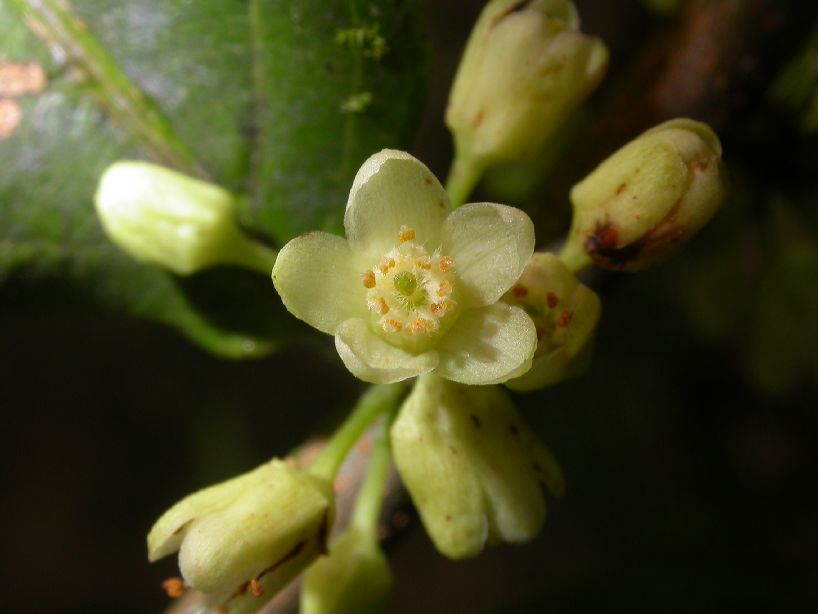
column 173, row 82
column 338, row 81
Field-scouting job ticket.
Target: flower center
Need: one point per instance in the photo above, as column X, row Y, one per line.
column 410, row 291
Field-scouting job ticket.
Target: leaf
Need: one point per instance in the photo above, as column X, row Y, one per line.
column 316, row 62
column 172, row 82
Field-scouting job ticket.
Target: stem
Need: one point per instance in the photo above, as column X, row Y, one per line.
column 250, row 254
column 375, row 401
column 58, row 26
column 573, row 256
column 463, row 177
column 368, row 505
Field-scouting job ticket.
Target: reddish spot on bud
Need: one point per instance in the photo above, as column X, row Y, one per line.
column 255, row 588
column 519, row 290
column 552, row 300
column 400, row 520
column 621, row 188
column 565, row 318
column 604, row 238
column 174, row 587
column 478, row 119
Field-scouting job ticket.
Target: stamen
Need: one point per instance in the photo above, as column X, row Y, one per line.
column 439, row 309
column 392, row 326
column 378, row 305
column 410, row 290
column 386, row 264
column 444, row 288
column 174, row 587
column 420, row 325
column 405, row 234
column 445, row 264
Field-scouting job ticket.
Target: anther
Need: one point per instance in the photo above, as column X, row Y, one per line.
column 420, row 325
column 444, row 288
column 174, row 587
column 439, row 309
column 386, row 264
column 368, row 279
column 445, row 264
column 378, row 305
column 405, row 234
column 392, row 326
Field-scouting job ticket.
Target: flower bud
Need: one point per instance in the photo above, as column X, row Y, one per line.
column 166, row 218
column 257, row 532
column 475, row 471
column 355, row 577
column 565, row 314
column 648, row 197
column 525, row 67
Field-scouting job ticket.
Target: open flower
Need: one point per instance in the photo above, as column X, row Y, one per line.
column 415, row 286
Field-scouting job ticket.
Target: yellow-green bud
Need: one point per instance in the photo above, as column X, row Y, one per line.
column 355, row 577
column 648, row 197
column 163, row 217
column 525, row 68
column 248, row 536
column 565, row 314
column 474, row 469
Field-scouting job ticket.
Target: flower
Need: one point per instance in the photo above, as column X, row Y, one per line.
column 565, row 313
column 475, row 471
column 415, row 287
column 355, row 577
column 167, row 218
column 648, row 197
column 248, row 536
column 525, row 68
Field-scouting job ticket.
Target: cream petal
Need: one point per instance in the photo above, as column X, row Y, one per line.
column 487, row 345
column 319, row 280
column 490, row 245
column 393, row 189
column 372, row 359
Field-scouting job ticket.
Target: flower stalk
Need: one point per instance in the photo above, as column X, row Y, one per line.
column 375, row 402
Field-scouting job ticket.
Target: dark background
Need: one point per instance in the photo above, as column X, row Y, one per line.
column 689, row 446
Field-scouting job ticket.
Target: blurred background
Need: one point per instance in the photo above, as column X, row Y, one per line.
column 690, row 446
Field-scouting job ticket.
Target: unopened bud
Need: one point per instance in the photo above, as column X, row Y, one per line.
column 648, row 197
column 249, row 536
column 163, row 217
column 565, row 314
column 355, row 577
column 525, row 68
column 475, row 471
